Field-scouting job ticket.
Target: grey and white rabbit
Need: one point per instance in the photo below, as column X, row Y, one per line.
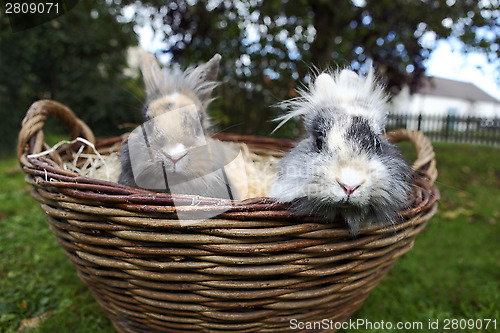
column 343, row 166
column 171, row 151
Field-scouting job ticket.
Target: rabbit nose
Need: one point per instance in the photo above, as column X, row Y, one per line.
column 177, row 156
column 177, row 153
column 349, row 180
column 348, row 189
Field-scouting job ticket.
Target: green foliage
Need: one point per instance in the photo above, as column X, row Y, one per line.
column 268, row 47
column 450, row 273
column 77, row 59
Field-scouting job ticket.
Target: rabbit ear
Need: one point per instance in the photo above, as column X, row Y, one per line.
column 324, row 85
column 207, row 75
column 210, row 69
column 348, row 77
column 151, row 73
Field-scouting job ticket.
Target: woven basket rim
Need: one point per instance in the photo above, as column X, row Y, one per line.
column 51, row 174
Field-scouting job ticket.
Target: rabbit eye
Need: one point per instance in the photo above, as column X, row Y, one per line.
column 320, row 140
column 378, row 145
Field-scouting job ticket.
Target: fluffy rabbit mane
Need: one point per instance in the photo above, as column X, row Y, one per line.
column 186, row 82
column 195, row 83
column 356, row 95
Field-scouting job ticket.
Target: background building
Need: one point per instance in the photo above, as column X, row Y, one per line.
column 442, row 97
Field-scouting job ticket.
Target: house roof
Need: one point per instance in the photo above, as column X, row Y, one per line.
column 457, row 89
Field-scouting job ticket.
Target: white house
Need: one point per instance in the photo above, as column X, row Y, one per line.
column 438, row 96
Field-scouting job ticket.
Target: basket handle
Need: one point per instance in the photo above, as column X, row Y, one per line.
column 31, row 135
column 425, row 162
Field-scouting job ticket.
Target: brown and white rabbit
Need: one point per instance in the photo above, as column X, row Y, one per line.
column 171, row 151
column 343, row 166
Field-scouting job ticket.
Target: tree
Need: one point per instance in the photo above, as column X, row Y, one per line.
column 392, row 33
column 77, row 59
column 267, row 47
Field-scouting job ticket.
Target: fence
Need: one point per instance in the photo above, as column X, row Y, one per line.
column 450, row 128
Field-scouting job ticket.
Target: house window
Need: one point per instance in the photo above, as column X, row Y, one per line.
column 452, row 118
column 452, row 112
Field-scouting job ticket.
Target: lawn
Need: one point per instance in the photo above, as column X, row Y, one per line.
column 452, row 273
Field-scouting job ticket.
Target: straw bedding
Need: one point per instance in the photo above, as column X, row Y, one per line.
column 258, row 170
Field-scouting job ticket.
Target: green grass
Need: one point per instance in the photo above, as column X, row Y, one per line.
column 35, row 275
column 453, row 271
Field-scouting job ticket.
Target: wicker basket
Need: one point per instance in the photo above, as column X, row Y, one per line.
column 253, row 268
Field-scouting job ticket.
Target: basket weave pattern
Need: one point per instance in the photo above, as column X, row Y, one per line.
column 251, row 269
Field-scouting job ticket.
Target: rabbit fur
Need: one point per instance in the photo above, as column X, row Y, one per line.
column 170, row 151
column 343, row 166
